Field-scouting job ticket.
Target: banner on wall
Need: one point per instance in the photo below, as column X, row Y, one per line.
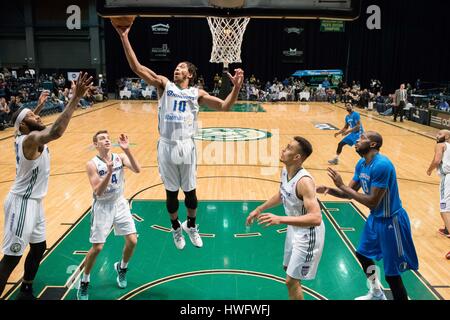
column 159, row 38
column 332, row 26
column 293, row 44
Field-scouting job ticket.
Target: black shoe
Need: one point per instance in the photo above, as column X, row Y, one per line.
column 25, row 295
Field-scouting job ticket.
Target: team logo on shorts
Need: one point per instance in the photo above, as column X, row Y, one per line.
column 15, row 247
column 443, row 205
column 305, row 271
column 231, row 134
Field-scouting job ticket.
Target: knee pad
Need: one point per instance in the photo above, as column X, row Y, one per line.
column 172, row 203
column 191, row 199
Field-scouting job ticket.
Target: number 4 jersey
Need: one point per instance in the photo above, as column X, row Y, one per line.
column 177, row 112
column 115, row 187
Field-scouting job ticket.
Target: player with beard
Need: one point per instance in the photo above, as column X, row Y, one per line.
column 24, row 211
column 387, row 231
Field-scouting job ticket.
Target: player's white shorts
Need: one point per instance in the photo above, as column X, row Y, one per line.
column 444, row 192
column 106, row 214
column 177, row 164
column 24, row 224
column 302, row 251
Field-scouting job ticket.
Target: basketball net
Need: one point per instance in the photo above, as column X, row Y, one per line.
column 227, row 35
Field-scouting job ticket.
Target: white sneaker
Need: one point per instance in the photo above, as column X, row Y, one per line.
column 193, row 235
column 371, row 296
column 178, row 238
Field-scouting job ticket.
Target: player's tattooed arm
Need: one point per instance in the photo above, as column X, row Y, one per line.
column 55, row 131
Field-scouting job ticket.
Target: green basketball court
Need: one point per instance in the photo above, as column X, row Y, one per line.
column 235, row 263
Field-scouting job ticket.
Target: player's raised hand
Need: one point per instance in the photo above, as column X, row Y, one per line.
column 43, row 97
column 82, row 85
column 123, row 25
column 337, row 134
column 269, row 219
column 238, row 77
column 336, row 177
column 123, row 142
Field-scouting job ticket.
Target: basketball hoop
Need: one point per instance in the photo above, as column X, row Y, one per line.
column 227, row 35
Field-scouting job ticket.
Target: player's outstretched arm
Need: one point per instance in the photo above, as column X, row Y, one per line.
column 369, row 200
column 127, row 157
column 145, row 73
column 307, row 190
column 55, row 131
column 272, row 202
column 224, row 105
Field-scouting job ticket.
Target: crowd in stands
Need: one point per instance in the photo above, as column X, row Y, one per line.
column 290, row 89
column 23, row 90
column 297, row 89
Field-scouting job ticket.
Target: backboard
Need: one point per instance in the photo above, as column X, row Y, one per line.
column 274, row 9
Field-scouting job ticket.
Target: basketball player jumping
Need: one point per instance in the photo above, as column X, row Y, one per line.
column 24, row 211
column 351, row 131
column 387, row 231
column 110, row 208
column 305, row 228
column 177, row 123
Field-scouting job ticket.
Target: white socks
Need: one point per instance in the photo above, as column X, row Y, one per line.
column 123, row 265
column 375, row 287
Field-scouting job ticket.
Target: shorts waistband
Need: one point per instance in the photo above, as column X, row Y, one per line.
column 174, row 142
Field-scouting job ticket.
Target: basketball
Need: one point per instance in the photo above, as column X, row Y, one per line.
column 123, row 22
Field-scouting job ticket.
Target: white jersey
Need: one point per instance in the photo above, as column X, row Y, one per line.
column 31, row 175
column 293, row 206
column 115, row 187
column 178, row 112
column 444, row 166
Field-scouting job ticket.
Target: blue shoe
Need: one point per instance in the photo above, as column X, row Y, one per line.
column 121, row 275
column 82, row 293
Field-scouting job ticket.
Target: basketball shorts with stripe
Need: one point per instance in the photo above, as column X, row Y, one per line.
column 107, row 214
column 303, row 250
column 389, row 239
column 24, row 224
